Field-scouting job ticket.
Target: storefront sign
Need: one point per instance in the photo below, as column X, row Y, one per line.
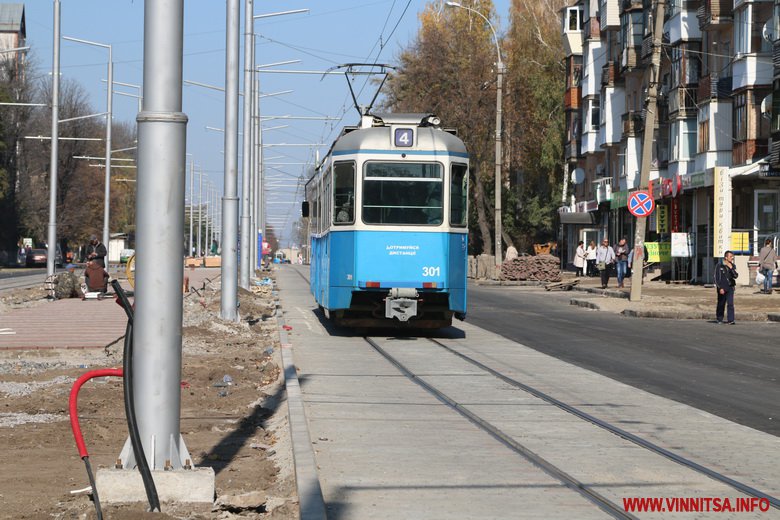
column 682, row 246
column 740, row 242
column 659, row 251
column 662, row 220
column 696, row 180
column 586, row 206
column 722, row 213
column 675, row 215
column 619, row 200
column 766, row 170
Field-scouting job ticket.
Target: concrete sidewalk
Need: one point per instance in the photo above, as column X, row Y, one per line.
column 666, row 300
column 73, row 323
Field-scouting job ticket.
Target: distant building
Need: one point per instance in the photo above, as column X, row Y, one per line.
column 710, row 172
column 13, row 34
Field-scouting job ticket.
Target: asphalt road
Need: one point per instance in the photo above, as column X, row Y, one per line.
column 730, row 371
column 17, row 278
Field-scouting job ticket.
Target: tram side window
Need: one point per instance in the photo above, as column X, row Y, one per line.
column 402, row 193
column 344, row 193
column 459, row 183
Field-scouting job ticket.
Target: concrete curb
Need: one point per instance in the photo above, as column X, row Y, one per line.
column 587, row 304
column 518, row 283
column 612, row 293
column 310, row 499
column 697, row 315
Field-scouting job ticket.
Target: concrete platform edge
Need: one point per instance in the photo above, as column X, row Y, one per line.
column 310, row 498
column 119, row 486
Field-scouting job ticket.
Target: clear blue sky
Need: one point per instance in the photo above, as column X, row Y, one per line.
column 333, row 32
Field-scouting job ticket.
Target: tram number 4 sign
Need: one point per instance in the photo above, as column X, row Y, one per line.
column 641, row 204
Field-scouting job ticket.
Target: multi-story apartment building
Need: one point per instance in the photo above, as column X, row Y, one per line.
column 710, row 174
column 13, row 35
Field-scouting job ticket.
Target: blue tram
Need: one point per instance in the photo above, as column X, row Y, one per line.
column 388, row 218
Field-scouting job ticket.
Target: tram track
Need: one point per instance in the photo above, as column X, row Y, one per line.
column 608, row 506
column 615, row 510
column 643, row 443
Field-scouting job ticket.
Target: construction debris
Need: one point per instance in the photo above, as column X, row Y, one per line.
column 542, row 268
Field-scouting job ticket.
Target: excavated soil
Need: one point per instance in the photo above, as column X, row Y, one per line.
column 233, row 419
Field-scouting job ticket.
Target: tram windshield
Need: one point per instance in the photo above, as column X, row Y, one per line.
column 403, row 193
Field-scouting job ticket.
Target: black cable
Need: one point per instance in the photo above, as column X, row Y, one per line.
column 132, row 425
column 95, row 498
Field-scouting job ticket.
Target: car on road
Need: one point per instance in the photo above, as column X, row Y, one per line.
column 125, row 255
column 35, row 257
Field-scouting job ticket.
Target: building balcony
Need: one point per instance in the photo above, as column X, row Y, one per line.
column 751, row 70
column 633, row 123
column 682, row 102
column 572, row 42
column 714, row 87
column 609, row 14
column 629, row 59
column 572, row 151
column 571, row 99
column 610, row 73
column 715, row 14
column 592, row 29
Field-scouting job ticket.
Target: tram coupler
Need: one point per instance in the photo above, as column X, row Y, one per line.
column 401, row 303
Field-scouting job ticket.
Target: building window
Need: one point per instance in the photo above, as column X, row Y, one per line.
column 595, row 114
column 688, row 138
column 704, row 135
column 740, row 117
column 573, row 21
column 742, row 29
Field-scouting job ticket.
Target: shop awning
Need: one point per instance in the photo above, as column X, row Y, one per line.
column 747, row 170
column 579, row 217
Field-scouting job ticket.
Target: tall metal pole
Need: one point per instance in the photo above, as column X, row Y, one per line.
column 229, row 295
column 206, row 242
column 192, row 182
column 257, row 157
column 246, row 167
column 647, row 151
column 499, row 137
column 200, row 212
column 107, row 195
column 162, row 129
column 55, row 141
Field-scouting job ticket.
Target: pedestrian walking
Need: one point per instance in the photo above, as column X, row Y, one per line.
column 621, row 260
column 579, row 257
column 590, row 258
column 605, row 261
column 725, row 283
column 767, row 259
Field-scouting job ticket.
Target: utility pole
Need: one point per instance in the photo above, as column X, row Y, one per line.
column 55, row 142
column 246, row 168
column 229, row 269
column 647, row 149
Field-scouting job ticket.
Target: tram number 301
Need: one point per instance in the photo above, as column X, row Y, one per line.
column 431, row 271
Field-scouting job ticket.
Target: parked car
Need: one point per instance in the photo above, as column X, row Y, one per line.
column 35, row 257
column 125, row 254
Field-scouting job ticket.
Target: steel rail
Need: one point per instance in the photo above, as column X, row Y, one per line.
column 719, row 477
column 603, row 503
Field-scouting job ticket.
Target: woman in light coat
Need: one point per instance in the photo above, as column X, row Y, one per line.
column 590, row 258
column 579, row 257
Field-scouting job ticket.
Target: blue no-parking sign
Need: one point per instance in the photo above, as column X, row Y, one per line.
column 641, row 204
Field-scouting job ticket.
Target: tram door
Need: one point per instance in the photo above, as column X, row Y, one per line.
column 766, row 217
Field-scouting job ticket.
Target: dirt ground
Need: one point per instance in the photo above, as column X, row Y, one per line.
column 233, row 419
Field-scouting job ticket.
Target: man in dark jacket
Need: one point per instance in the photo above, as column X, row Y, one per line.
column 96, row 251
column 725, row 282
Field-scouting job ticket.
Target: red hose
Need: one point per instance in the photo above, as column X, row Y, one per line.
column 73, row 403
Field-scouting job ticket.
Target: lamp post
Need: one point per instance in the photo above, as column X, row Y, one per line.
column 499, row 84
column 107, row 192
column 55, row 141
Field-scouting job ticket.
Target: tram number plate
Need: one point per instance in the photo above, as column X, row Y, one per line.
column 404, row 137
column 431, row 271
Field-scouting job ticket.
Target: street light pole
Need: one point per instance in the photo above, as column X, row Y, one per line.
column 501, row 69
column 110, row 96
column 55, row 141
column 246, row 249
